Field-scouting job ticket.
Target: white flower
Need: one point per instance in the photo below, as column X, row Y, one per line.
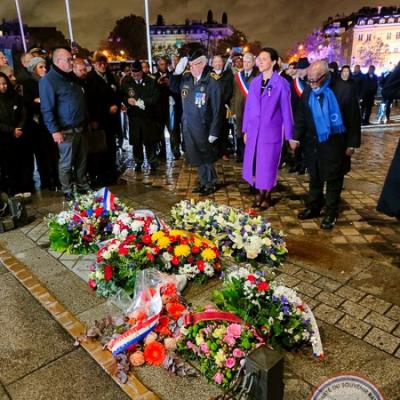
column 99, row 274
column 106, row 255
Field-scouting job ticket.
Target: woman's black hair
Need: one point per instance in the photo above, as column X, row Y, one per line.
column 10, row 89
column 272, row 52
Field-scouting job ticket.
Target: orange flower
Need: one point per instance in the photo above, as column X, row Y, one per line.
column 154, row 353
column 162, row 327
column 175, row 310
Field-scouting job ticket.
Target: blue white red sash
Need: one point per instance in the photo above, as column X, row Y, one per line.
column 298, row 85
column 240, row 79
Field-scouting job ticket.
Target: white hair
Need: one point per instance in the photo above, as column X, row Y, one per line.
column 248, row 57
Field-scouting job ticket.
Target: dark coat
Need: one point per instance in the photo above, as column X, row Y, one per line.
column 142, row 121
column 358, row 82
column 163, row 101
column 199, row 121
column 225, row 80
column 101, row 95
column 391, row 87
column 389, row 201
column 369, row 87
column 328, row 160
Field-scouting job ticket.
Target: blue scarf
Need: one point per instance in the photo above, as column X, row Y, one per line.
column 327, row 116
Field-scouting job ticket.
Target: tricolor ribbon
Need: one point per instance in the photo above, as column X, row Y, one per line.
column 144, row 214
column 108, row 199
column 242, row 82
column 298, row 86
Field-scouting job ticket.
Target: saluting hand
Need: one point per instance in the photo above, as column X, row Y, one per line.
column 131, row 101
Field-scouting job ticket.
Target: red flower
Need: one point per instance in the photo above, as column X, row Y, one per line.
column 170, row 249
column 84, row 213
column 154, row 353
column 146, row 239
column 98, row 211
column 190, row 260
column 108, row 272
column 132, row 348
column 263, row 286
column 169, row 289
column 92, row 283
column 195, row 250
column 217, row 265
column 175, row 260
column 123, row 250
column 139, row 246
column 156, row 250
column 251, row 278
column 130, row 238
column 175, row 310
column 150, row 257
column 162, row 326
column 200, row 265
column 301, row 307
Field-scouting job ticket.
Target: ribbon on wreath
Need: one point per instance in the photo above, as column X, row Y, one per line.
column 108, row 198
column 148, row 214
column 211, row 315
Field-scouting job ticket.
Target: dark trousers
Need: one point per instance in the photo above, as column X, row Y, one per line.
column 223, row 143
column 207, row 175
column 137, row 141
column 73, row 157
column 316, row 194
column 366, row 108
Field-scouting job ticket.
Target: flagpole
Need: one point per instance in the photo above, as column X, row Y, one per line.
column 71, row 36
column 21, row 25
column 146, row 11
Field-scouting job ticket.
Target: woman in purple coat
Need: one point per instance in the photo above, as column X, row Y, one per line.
column 267, row 121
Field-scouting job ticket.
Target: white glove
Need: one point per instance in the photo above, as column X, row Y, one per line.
column 140, row 103
column 212, row 139
column 181, row 66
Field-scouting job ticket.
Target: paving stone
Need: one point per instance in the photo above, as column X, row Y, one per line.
column 327, row 314
column 289, row 268
column 312, row 303
column 350, row 293
column 70, row 384
column 327, row 284
column 307, row 276
column 397, row 354
column 308, row 289
column 353, row 326
column 81, row 268
column 382, row 340
column 287, row 280
column 394, row 313
column 373, row 303
column 330, row 299
column 354, row 309
column 380, row 321
column 396, row 332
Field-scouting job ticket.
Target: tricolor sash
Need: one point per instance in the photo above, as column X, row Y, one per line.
column 298, row 85
column 240, row 79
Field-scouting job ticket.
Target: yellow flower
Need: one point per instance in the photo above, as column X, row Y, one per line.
column 219, row 332
column 182, row 250
column 199, row 339
column 198, row 242
column 220, row 357
column 208, row 255
column 163, row 242
column 157, row 235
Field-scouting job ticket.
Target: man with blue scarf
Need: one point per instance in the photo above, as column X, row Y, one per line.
column 328, row 123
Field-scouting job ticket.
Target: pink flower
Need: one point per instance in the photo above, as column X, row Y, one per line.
column 230, row 340
column 234, row 330
column 189, row 345
column 204, row 348
column 238, row 353
column 230, row 362
column 218, row 377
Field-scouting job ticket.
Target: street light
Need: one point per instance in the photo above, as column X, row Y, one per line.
column 122, row 52
column 105, row 52
column 245, row 49
column 301, row 47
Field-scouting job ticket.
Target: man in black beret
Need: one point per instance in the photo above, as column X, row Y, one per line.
column 141, row 94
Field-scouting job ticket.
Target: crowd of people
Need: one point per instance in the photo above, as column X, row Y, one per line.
column 69, row 118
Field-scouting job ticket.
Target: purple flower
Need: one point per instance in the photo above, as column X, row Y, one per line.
column 286, row 310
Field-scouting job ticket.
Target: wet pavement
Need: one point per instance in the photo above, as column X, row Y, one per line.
column 349, row 276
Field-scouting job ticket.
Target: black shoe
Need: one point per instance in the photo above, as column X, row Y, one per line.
column 208, row 190
column 309, row 213
column 329, row 221
column 68, row 196
column 301, row 171
column 198, row 189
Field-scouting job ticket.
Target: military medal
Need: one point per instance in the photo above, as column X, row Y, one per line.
column 131, row 92
column 200, row 99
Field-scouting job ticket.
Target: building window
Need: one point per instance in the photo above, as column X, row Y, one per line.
column 360, row 37
column 391, row 20
column 397, row 35
column 370, row 22
column 382, row 21
column 389, row 35
column 368, row 37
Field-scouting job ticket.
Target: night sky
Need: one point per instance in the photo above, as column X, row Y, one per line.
column 279, row 23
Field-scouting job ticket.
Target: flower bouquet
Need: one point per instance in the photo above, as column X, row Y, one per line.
column 236, row 233
column 146, row 335
column 174, row 252
column 219, row 346
column 89, row 221
column 274, row 310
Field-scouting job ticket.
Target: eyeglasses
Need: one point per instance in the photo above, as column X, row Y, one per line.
column 314, row 81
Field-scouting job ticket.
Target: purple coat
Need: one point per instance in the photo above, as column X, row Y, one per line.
column 268, row 119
